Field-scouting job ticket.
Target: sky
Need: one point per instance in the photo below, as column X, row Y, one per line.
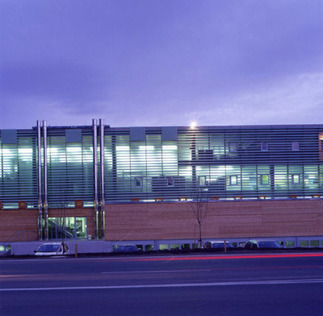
column 161, row 62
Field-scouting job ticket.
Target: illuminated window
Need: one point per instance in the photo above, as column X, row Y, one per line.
column 202, row 180
column 264, row 179
column 67, row 227
column 264, row 146
column 295, row 178
column 233, row 180
column 295, row 146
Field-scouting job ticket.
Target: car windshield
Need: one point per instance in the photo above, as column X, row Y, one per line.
column 48, row 248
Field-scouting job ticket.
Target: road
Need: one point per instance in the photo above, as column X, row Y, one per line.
column 264, row 284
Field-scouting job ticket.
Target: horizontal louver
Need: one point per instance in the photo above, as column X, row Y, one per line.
column 206, row 162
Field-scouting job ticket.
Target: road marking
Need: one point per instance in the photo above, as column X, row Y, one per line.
column 205, row 256
column 155, row 271
column 225, row 257
column 176, row 285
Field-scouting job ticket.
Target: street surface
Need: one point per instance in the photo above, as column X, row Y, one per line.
column 249, row 284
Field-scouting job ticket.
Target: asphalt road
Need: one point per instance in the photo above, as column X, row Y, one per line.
column 277, row 284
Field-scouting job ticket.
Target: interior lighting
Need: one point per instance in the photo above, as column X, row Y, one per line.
column 169, row 147
column 146, row 147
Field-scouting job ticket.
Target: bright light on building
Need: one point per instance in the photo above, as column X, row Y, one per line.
column 193, row 124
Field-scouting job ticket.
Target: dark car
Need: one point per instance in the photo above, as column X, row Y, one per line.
column 125, row 248
column 217, row 245
column 263, row 244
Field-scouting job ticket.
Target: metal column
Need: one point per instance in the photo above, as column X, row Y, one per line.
column 102, row 221
column 95, row 176
column 40, row 210
column 45, row 180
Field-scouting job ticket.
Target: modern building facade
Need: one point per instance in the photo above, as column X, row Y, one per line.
column 147, row 183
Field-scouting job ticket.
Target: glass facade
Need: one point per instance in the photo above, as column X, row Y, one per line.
column 149, row 164
column 67, row 228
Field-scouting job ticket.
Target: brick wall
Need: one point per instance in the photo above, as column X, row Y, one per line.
column 157, row 221
column 223, row 220
column 18, row 225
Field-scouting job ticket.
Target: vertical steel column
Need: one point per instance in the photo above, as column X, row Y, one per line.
column 45, row 179
column 102, row 222
column 95, row 175
column 40, row 210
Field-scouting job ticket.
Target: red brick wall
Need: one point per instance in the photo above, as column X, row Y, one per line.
column 176, row 220
column 223, row 220
column 18, row 225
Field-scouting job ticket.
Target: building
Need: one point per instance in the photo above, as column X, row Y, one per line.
column 152, row 184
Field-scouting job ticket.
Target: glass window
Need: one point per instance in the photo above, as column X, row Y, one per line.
column 304, row 243
column 170, row 181
column 281, row 178
column 202, row 180
column 138, row 182
column 233, row 180
column 66, row 227
column 264, row 179
column 315, row 243
column 321, row 146
column 264, row 146
column 311, row 180
column 163, row 246
column 233, row 147
column 295, row 178
column 295, row 146
column 249, row 178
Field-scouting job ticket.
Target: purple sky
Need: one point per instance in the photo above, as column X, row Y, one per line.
column 167, row 62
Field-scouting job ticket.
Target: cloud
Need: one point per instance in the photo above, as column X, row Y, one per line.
column 160, row 62
column 70, row 86
column 293, row 100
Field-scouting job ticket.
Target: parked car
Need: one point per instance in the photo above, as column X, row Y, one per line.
column 217, row 245
column 52, row 249
column 125, row 248
column 5, row 250
column 263, row 244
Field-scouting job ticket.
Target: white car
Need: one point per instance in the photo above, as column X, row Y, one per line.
column 52, row 249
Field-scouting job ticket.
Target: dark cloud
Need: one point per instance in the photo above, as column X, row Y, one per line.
column 143, row 62
column 55, row 81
